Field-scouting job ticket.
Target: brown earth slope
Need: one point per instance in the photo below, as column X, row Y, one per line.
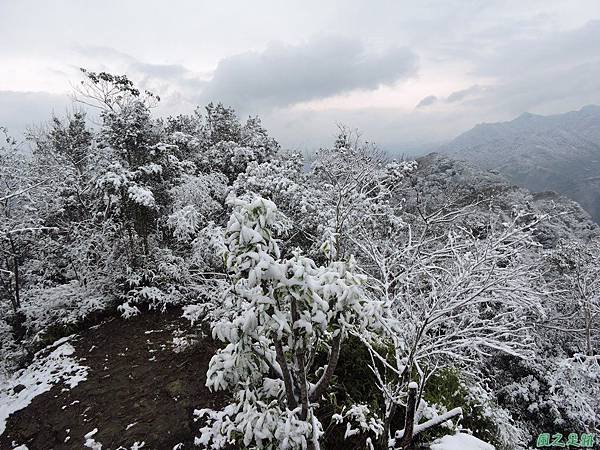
column 142, row 386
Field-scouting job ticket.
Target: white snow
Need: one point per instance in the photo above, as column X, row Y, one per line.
column 141, row 196
column 135, row 446
column 461, row 441
column 39, row 377
column 90, row 442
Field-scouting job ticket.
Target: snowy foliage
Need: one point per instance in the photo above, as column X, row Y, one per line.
column 576, row 278
column 59, row 306
column 575, row 385
column 427, row 265
column 276, row 313
column 196, row 200
column 359, row 419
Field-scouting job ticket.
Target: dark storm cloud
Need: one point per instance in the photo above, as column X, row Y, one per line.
column 286, row 74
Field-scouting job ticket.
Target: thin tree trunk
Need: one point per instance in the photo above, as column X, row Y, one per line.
column 287, row 378
column 301, row 373
column 299, row 355
column 385, row 436
column 303, row 389
column 588, row 332
column 409, row 420
column 334, row 356
column 17, row 291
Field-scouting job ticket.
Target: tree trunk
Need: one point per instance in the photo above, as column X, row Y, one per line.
column 287, row 378
column 17, row 291
column 301, row 373
column 588, row 332
column 409, row 420
column 385, row 436
column 299, row 356
column 334, row 356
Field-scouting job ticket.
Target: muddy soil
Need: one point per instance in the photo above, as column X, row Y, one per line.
column 142, row 386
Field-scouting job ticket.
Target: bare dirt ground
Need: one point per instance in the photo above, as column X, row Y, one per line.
column 142, row 386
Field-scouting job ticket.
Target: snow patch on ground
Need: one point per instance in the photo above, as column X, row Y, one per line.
column 90, row 442
column 135, row 446
column 181, row 344
column 461, row 441
column 59, row 366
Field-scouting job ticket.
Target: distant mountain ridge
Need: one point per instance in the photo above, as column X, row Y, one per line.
column 542, row 153
column 450, row 181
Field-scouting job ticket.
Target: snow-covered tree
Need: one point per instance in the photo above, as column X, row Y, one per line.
column 576, row 280
column 276, row 314
column 457, row 296
column 196, row 201
column 350, row 187
column 21, row 218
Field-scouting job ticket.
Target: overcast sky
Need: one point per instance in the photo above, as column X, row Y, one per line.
column 409, row 74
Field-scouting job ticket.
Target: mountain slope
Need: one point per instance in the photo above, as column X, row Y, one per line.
column 450, row 181
column 559, row 153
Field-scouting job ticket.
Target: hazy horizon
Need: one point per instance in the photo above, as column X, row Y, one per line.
column 409, row 75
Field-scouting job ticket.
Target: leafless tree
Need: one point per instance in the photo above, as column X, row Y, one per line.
column 456, row 296
column 575, row 278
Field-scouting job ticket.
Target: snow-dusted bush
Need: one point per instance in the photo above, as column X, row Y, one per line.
column 197, row 200
column 575, row 277
column 457, row 297
column 349, row 189
column 11, row 352
column 575, row 387
column 161, row 282
column 61, row 305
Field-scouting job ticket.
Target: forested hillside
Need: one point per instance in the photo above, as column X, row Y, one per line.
column 347, row 300
column 542, row 153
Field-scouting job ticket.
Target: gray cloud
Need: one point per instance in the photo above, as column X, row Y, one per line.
column 549, row 73
column 537, row 56
column 427, row 101
column 458, row 96
column 146, row 74
column 21, row 110
column 287, row 74
column 454, row 97
column 515, row 58
column 279, row 76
